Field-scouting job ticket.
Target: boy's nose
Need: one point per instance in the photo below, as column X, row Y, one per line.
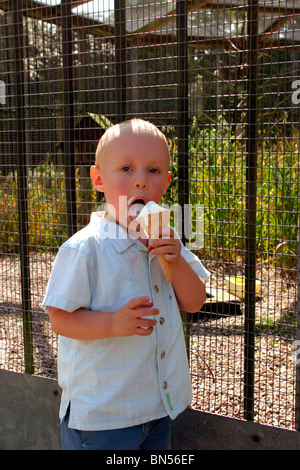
column 141, row 182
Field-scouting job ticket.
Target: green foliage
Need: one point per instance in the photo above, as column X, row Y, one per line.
column 47, row 214
column 217, row 175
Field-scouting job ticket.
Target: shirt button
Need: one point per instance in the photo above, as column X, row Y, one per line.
column 162, row 320
column 165, row 385
column 156, row 288
column 162, row 354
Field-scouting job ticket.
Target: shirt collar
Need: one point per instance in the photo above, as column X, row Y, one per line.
column 116, row 234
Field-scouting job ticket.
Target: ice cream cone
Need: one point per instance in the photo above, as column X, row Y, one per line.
column 153, row 223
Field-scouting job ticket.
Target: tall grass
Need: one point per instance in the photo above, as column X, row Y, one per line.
column 47, row 213
column 217, row 174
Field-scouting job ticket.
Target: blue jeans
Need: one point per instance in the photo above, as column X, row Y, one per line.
column 154, row 435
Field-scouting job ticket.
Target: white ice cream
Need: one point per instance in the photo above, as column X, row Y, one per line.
column 160, row 217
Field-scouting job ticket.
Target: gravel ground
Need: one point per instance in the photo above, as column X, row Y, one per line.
column 216, row 341
column 11, row 324
column 217, row 352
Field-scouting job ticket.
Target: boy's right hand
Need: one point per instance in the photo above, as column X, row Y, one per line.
column 128, row 320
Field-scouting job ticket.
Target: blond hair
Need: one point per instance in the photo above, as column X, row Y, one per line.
column 135, row 126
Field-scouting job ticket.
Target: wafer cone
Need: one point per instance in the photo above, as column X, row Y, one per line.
column 165, row 265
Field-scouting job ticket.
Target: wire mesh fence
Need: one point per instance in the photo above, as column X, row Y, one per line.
column 222, row 80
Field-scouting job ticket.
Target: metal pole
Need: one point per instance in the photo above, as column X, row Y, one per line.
column 183, row 131
column 22, row 187
column 183, row 109
column 120, row 59
column 297, row 397
column 296, row 57
column 251, row 183
column 69, row 133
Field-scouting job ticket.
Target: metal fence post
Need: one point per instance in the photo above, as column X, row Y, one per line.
column 120, row 64
column 251, row 185
column 297, row 385
column 183, row 131
column 22, row 187
column 69, row 133
column 182, row 107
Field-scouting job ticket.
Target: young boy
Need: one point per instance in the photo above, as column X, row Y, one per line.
column 122, row 362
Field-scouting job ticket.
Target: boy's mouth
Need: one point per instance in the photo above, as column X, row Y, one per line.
column 134, row 207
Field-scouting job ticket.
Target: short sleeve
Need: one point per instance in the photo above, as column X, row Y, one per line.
column 195, row 263
column 68, row 287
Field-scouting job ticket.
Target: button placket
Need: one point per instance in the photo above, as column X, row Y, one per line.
column 161, row 356
column 156, row 290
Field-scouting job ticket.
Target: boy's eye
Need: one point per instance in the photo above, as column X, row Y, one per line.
column 153, row 170
column 125, row 168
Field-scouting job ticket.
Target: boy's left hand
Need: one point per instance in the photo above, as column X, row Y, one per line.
column 166, row 243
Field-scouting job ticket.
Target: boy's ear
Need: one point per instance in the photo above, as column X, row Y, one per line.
column 96, row 178
column 168, row 179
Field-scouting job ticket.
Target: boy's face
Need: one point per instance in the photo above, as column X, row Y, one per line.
column 134, row 166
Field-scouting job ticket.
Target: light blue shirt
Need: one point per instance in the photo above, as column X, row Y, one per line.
column 118, row 382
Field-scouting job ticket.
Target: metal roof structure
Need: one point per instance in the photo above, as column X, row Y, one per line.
column 218, row 21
